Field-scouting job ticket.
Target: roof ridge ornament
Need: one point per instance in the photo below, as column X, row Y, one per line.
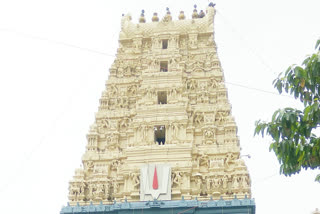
column 142, row 19
column 181, row 16
column 155, row 17
column 167, row 17
column 195, row 12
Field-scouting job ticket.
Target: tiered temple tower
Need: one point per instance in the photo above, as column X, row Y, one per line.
column 164, row 129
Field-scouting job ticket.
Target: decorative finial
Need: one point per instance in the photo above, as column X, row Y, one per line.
column 168, row 16
column 195, row 12
column 142, row 19
column 155, row 17
column 201, row 14
column 181, row 15
column 167, row 10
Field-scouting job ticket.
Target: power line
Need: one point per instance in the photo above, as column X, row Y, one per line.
column 30, row 36
column 26, row 35
column 233, row 29
column 257, row 89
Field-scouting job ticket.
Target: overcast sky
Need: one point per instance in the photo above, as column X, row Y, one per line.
column 55, row 58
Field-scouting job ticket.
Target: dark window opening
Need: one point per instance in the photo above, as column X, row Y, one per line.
column 162, row 97
column 164, row 66
column 160, row 135
column 164, row 44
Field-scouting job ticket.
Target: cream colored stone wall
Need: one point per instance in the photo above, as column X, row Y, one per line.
column 201, row 146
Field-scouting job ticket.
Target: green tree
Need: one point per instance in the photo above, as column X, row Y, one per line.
column 293, row 131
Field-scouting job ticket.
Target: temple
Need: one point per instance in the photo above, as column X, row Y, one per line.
column 164, row 139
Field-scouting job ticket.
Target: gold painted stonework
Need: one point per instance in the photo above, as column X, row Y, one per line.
column 167, row 77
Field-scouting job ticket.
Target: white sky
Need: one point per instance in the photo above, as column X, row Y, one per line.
column 53, row 70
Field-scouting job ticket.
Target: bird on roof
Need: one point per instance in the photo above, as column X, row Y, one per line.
column 211, row 4
column 201, row 14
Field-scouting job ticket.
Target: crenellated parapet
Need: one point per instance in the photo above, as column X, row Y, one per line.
column 167, row 28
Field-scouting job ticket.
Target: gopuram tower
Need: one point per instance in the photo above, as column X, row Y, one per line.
column 163, row 138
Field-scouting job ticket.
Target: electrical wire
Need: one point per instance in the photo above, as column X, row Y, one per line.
column 233, row 29
column 30, row 36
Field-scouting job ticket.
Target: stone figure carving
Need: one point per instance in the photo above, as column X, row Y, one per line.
column 229, row 159
column 90, row 193
column 216, row 183
column 204, row 160
column 176, row 179
column 235, row 183
column 198, row 118
column 199, row 185
column 146, row 45
column 208, row 184
column 112, row 141
column 209, row 133
column 213, row 83
column 245, row 181
column 136, row 180
column 225, row 182
column 99, row 191
column 132, row 90
column 156, row 42
column 222, row 116
column 106, row 190
column 191, row 84
column 124, row 123
column 193, row 41
column 209, row 118
column 175, row 127
column 144, row 129
column 114, row 164
column 183, row 43
column 74, row 190
column 173, row 41
column 89, row 166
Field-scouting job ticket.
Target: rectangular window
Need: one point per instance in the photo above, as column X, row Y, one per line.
column 162, row 97
column 164, row 66
column 160, row 134
column 164, row 44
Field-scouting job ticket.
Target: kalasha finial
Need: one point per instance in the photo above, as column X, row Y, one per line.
column 142, row 19
column 168, row 11
column 181, row 15
column 168, row 16
column 155, row 17
column 195, row 12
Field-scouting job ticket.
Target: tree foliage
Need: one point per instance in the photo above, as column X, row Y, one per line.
column 293, row 131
